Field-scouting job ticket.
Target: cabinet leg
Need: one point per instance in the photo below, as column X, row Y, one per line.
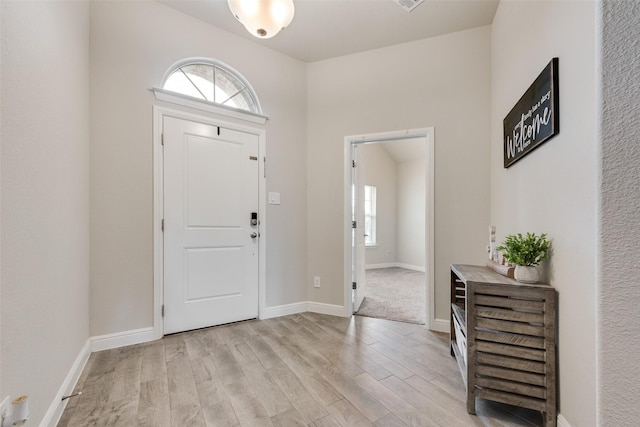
column 471, row 404
column 550, row 418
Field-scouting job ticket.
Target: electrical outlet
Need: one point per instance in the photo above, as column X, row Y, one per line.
column 4, row 409
column 316, row 282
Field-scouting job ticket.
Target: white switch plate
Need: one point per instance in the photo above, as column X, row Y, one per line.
column 274, row 198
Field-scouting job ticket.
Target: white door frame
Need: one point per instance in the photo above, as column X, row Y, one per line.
column 158, row 206
column 428, row 134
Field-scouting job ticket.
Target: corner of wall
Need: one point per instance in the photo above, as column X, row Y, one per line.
column 53, row 414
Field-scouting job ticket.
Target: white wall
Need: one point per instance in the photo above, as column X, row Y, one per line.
column 379, row 170
column 132, row 46
column 553, row 189
column 45, row 196
column 411, row 190
column 442, row 82
column 619, row 217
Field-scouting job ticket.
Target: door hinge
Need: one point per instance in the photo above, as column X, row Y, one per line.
column 162, row 224
column 354, row 285
column 162, row 138
column 354, row 164
column 162, row 310
column 354, row 224
column 264, row 168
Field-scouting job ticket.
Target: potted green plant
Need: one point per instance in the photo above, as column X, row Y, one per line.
column 526, row 252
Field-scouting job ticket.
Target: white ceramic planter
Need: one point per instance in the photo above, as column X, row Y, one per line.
column 526, row 274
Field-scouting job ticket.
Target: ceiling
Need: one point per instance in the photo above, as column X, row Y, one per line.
column 323, row 29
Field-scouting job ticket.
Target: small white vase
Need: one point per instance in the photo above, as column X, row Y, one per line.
column 526, row 274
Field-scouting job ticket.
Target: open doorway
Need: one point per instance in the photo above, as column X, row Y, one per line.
column 390, row 210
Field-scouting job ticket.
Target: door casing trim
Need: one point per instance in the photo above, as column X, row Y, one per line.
column 158, row 205
column 349, row 141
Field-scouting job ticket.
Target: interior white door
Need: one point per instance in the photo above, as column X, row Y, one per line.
column 358, row 234
column 210, row 244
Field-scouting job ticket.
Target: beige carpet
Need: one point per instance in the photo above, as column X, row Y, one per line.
column 396, row 294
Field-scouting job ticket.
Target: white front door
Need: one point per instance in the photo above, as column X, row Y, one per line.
column 210, row 244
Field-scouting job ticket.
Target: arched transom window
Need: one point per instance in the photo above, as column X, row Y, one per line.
column 212, row 81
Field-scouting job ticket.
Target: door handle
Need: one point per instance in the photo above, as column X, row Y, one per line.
column 254, row 235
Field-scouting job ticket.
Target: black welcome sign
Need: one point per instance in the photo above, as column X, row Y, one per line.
column 535, row 118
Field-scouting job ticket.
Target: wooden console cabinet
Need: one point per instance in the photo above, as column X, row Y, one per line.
column 503, row 336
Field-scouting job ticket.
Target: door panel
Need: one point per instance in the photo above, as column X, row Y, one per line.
column 211, row 258
column 218, row 265
column 213, row 179
column 358, row 235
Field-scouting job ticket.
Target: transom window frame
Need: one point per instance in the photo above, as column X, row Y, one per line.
column 166, row 95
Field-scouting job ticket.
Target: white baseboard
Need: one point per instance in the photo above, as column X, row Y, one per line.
column 121, row 339
column 381, row 265
column 411, row 267
column 53, row 414
column 394, row 264
column 302, row 307
column 330, row 309
column 283, row 310
column 441, row 325
column 562, row 422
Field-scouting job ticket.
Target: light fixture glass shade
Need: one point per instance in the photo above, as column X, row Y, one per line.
column 263, row 18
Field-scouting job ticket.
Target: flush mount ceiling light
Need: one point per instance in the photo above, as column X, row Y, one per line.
column 263, row 18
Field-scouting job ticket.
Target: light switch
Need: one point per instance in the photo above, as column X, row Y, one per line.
column 274, row 198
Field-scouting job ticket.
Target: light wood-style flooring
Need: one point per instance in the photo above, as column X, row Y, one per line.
column 300, row 370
